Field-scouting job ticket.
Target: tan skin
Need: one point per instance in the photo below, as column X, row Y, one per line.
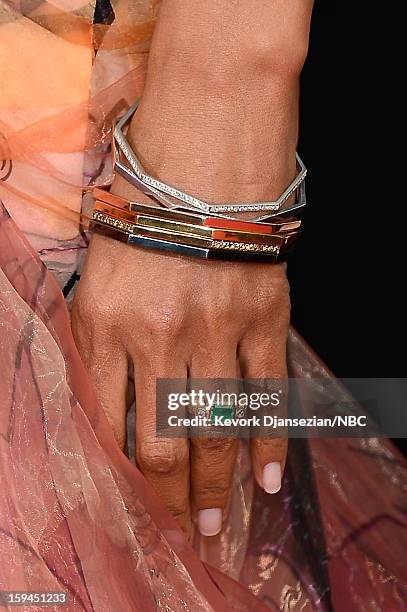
column 219, row 120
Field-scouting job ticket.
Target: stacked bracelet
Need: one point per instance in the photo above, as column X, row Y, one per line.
column 191, row 234
column 182, row 223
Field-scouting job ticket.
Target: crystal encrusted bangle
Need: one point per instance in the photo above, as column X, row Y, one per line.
column 172, row 197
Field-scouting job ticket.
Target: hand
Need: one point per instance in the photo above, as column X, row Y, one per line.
column 174, row 317
column 219, row 119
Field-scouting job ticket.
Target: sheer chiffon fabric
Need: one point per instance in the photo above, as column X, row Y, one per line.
column 75, row 514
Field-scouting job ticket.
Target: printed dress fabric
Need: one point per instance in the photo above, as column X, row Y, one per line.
column 75, row 513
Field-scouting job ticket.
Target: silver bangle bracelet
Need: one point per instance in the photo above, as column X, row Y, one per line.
column 172, row 203
column 174, row 198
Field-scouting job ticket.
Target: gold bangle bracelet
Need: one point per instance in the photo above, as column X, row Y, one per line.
column 185, row 249
column 273, row 244
column 185, row 228
column 276, row 225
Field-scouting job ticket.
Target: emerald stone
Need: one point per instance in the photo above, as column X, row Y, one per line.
column 223, row 412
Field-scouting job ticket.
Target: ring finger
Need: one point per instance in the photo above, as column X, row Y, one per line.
column 213, row 458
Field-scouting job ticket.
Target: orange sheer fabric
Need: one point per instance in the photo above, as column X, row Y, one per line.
column 63, row 81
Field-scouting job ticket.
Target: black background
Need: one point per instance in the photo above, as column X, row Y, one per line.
column 348, row 272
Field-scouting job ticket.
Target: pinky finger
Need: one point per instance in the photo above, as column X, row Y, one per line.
column 268, row 459
column 268, row 363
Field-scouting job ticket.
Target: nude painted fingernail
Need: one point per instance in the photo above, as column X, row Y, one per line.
column 210, row 521
column 272, row 477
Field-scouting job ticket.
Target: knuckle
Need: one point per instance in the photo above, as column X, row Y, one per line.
column 161, row 332
column 162, row 457
column 279, row 296
column 217, row 445
column 274, row 307
column 92, row 324
column 211, row 493
column 178, row 509
column 88, row 308
column 215, row 315
column 274, row 447
column 164, row 323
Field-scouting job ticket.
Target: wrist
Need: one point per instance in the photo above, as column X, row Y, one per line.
column 220, row 119
column 220, row 148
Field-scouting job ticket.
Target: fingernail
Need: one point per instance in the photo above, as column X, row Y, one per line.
column 272, row 477
column 210, row 521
